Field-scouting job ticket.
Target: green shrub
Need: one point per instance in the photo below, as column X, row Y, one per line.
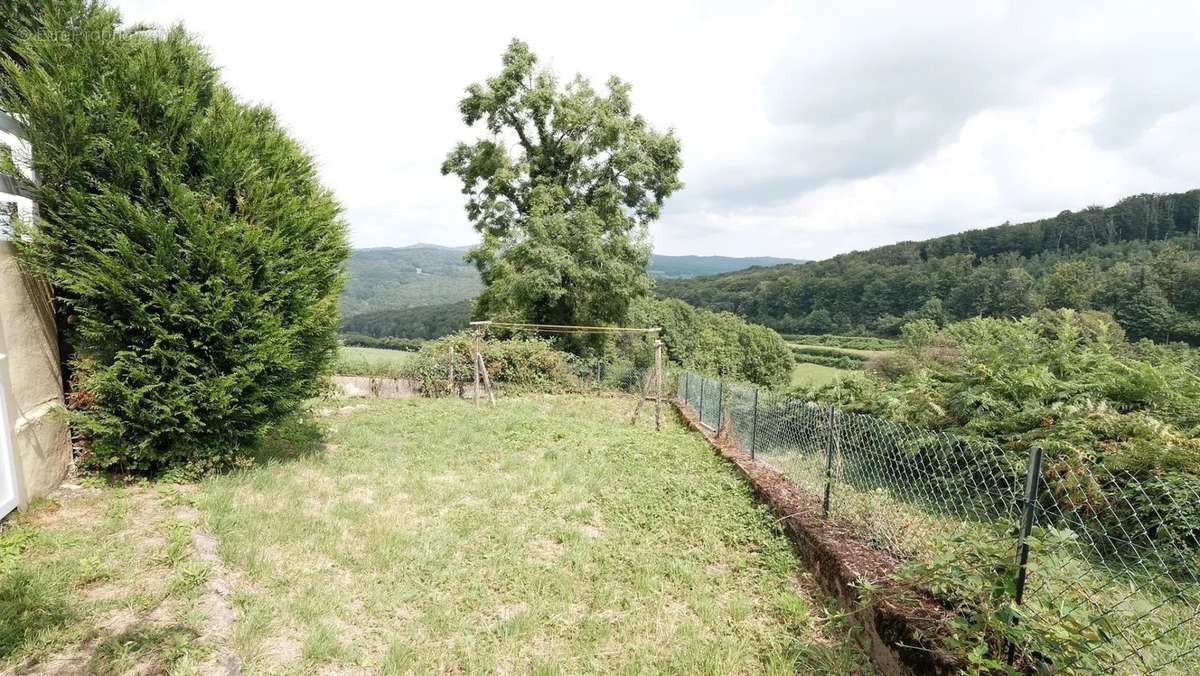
column 719, row 344
column 1119, row 422
column 826, row 356
column 196, row 259
column 849, row 342
column 530, row 364
column 389, row 343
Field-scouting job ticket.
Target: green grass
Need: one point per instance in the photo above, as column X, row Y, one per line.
column 816, row 375
column 544, row 535
column 371, row 361
column 109, row 568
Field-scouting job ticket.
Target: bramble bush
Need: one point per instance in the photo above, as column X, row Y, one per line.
column 1119, row 422
column 195, row 257
column 719, row 344
column 525, row 364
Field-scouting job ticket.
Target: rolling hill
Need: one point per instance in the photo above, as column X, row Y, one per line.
column 1138, row 260
column 403, row 277
column 396, row 278
column 683, row 267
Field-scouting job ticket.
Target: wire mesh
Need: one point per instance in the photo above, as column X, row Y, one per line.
column 1113, row 575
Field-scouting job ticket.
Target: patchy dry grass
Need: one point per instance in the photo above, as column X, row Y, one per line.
column 101, row 579
column 545, row 535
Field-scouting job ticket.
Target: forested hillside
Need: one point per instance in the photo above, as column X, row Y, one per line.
column 395, row 278
column 1139, row 260
column 422, row 274
column 426, row 321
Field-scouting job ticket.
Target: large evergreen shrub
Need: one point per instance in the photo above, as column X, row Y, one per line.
column 196, row 258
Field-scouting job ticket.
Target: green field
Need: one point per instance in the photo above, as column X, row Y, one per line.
column 370, row 361
column 544, row 535
column 815, row 375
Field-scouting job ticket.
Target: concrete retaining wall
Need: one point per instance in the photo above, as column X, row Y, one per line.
column 34, row 382
column 28, row 339
column 375, row 387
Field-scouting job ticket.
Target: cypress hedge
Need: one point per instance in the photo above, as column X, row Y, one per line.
column 195, row 257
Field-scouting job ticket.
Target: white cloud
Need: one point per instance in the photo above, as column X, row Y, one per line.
column 808, row 128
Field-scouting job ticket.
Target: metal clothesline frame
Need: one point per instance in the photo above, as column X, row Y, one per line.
column 654, row 379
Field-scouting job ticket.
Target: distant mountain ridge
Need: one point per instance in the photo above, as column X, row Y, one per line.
column 676, row 267
column 418, row 275
column 1138, row 260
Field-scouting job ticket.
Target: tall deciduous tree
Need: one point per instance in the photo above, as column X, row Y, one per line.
column 562, row 188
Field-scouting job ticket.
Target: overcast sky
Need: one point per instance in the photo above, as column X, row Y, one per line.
column 808, row 129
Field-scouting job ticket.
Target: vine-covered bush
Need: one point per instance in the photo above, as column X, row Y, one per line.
column 195, row 256
column 1119, row 422
column 719, row 344
column 529, row 364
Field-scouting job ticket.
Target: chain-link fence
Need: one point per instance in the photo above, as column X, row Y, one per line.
column 1070, row 566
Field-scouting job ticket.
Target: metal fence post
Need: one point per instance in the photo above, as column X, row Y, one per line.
column 1032, row 484
column 720, row 405
column 703, row 386
column 830, row 443
column 754, row 425
column 687, row 380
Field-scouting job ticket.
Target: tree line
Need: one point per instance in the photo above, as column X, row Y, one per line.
column 1138, row 260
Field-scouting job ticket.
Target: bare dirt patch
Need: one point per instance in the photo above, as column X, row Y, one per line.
column 218, row 611
column 545, row 551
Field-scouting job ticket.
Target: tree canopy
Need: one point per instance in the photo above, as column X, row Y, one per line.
column 562, row 188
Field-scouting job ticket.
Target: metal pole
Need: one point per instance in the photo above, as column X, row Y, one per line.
column 687, row 380
column 1032, row 483
column 658, row 350
column 754, row 425
column 829, row 448
column 720, row 405
column 475, row 360
column 702, row 388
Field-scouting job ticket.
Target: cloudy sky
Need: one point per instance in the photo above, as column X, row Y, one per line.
column 808, row 128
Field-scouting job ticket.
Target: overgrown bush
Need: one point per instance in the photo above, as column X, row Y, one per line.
column 195, row 256
column 1119, row 422
column 719, row 344
column 530, row 364
column 851, row 342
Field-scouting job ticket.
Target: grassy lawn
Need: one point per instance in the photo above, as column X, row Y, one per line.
column 370, row 361
column 103, row 580
column 545, row 535
column 815, row 375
